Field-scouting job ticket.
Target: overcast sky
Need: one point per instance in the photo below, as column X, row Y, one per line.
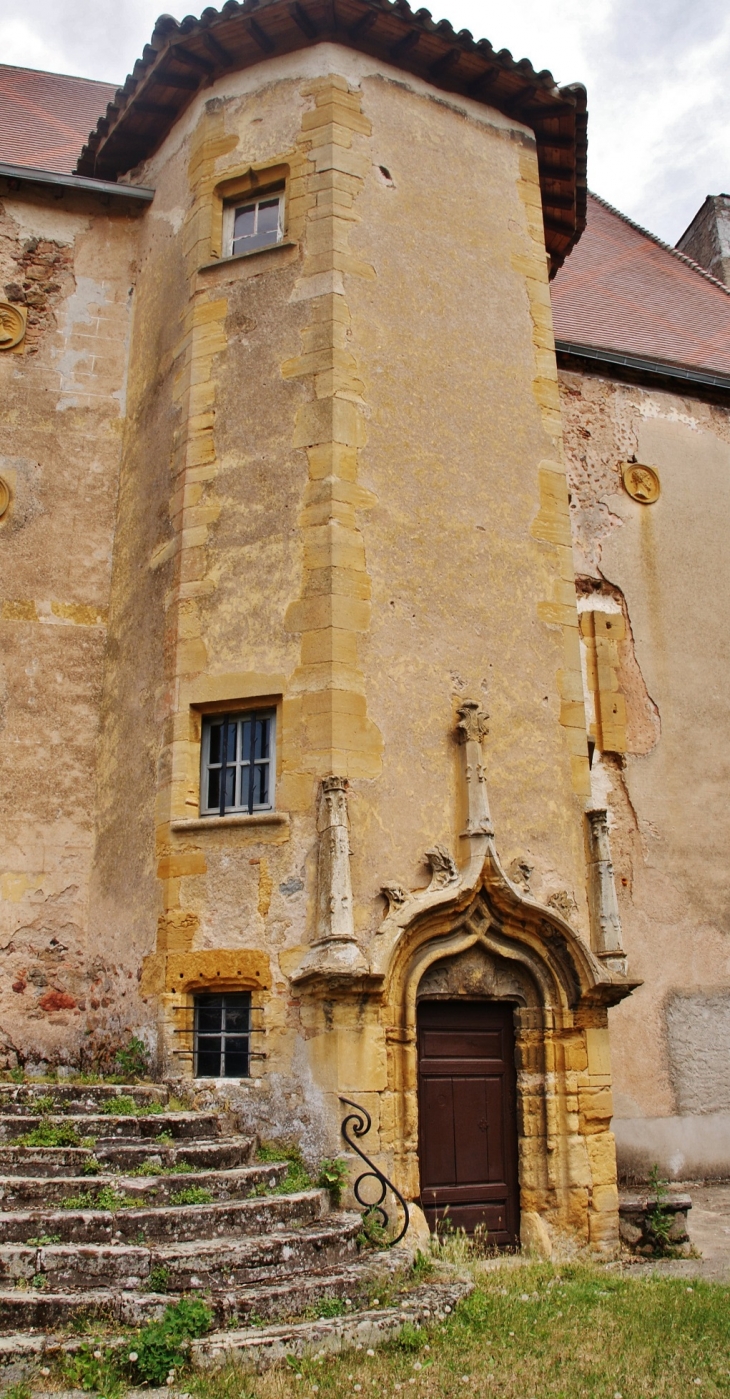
column 656, row 73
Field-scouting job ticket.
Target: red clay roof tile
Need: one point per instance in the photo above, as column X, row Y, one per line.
column 622, row 289
column 45, row 118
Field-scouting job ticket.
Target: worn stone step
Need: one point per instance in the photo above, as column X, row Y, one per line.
column 41, row 1195
column 193, row 1266
column 48, row 1311
column 53, row 1161
column 74, row 1098
column 157, row 1221
column 201, row 1126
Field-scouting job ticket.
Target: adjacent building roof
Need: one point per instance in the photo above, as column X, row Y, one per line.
column 625, row 291
column 45, row 118
column 183, row 58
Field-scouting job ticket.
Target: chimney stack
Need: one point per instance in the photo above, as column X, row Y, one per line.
column 707, row 240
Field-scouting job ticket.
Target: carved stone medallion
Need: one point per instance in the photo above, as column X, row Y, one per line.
column 641, row 482
column 4, row 497
column 12, row 326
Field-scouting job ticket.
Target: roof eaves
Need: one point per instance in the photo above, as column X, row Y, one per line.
column 645, row 365
column 26, row 174
column 183, row 56
column 682, row 257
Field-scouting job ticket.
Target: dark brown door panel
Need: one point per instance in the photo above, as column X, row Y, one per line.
column 467, row 1113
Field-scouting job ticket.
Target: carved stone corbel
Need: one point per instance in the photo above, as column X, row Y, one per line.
column 335, row 949
column 443, row 868
column 396, row 895
column 605, row 918
column 471, row 729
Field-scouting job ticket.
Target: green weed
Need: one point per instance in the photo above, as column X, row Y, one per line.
column 50, row 1134
column 133, row 1061
column 105, row 1199
column 158, row 1279
column 42, row 1105
column 297, row 1176
column 124, row 1106
column 92, row 1368
column 162, row 1347
column 333, row 1177
column 91, row 1167
column 193, row 1195
column 329, row 1306
column 44, row 1240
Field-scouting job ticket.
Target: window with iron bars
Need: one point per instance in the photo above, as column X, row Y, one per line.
column 222, row 1035
column 238, row 765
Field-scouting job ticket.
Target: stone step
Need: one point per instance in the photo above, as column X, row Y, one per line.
column 74, row 1098
column 47, row 1311
column 161, row 1222
column 53, row 1161
column 37, row 1194
column 199, row 1265
column 180, row 1125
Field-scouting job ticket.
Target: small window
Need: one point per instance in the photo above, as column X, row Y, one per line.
column 238, row 763
column 222, row 1035
column 253, row 223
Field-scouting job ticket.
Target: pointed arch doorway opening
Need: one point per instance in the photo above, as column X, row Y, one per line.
column 467, row 1108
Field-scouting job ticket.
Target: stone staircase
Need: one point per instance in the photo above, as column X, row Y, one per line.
column 114, row 1203
column 135, row 1204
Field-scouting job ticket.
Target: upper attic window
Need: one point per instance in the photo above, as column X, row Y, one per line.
column 249, row 224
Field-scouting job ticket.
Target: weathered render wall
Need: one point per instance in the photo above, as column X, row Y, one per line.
column 66, row 260
column 665, row 567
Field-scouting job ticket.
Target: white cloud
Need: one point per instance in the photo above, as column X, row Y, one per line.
column 658, row 98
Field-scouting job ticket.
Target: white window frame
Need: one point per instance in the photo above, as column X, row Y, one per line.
column 237, row 718
column 247, row 201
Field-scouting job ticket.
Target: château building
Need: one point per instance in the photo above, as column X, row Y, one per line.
column 363, row 657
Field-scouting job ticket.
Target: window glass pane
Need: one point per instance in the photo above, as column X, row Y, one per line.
column 214, row 788
column 246, row 734
column 214, row 752
column 268, row 221
column 231, row 736
column 244, row 221
column 236, row 1019
column 230, row 787
column 236, row 1064
column 209, row 1059
column 263, row 727
column 245, row 787
column 261, row 785
column 209, row 1019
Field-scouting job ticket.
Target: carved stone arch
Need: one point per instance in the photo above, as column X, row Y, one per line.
column 566, row 1183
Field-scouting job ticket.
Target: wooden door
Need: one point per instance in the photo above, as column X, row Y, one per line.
column 467, row 1116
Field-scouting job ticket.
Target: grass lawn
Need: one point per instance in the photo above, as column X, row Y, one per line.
column 527, row 1333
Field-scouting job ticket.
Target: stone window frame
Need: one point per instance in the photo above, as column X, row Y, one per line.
column 197, row 713
column 238, row 714
column 256, row 181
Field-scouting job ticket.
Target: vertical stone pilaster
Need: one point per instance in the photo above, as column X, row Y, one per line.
column 605, row 918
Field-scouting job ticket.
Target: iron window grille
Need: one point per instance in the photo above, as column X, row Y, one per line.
column 253, row 223
column 238, row 763
column 222, row 1035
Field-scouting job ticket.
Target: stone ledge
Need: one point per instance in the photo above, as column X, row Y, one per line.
column 243, row 818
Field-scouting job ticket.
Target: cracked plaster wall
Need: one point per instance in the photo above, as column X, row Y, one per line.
column 666, row 566
column 68, row 260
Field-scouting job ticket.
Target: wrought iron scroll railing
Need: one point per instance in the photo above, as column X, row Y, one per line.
column 359, row 1123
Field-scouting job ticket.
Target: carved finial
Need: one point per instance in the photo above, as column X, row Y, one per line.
column 472, row 726
column 443, row 868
